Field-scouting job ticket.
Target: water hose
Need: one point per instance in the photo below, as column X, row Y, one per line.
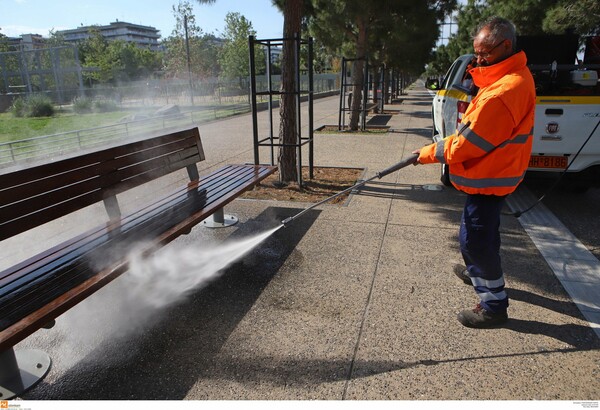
column 405, row 162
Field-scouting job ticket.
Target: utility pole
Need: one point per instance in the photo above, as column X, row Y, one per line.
column 187, row 51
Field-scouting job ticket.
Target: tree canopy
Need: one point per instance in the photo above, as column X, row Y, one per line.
column 399, row 34
column 233, row 55
column 115, row 61
column 531, row 17
column 203, row 48
column 3, row 43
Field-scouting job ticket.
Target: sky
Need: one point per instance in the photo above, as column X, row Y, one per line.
column 40, row 16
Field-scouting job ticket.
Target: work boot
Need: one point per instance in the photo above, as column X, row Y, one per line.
column 461, row 272
column 481, row 318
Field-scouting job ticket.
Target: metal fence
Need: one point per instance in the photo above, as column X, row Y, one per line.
column 57, row 145
column 207, row 100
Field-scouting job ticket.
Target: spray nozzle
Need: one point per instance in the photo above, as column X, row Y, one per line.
column 287, row 221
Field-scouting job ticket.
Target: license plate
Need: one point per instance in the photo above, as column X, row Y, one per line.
column 543, row 161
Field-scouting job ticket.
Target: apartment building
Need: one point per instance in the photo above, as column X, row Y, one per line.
column 143, row 36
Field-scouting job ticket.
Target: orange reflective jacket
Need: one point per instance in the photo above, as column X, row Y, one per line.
column 490, row 151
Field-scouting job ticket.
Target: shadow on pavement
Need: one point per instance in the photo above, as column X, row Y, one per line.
column 580, row 337
column 379, row 119
column 563, row 307
column 290, row 372
column 421, row 132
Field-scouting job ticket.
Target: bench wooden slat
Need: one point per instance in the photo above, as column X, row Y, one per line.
column 210, row 183
column 59, row 202
column 65, row 186
column 68, row 172
column 31, row 174
column 225, row 185
column 124, row 166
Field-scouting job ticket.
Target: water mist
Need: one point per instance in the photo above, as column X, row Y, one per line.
column 166, row 276
column 131, row 304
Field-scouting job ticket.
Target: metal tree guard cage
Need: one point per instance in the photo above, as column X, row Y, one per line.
column 346, row 97
column 54, row 71
column 271, row 141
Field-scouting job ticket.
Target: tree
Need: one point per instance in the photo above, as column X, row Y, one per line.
column 582, row 16
column 288, row 127
column 292, row 14
column 202, row 47
column 176, row 56
column 233, row 55
column 130, row 62
column 93, row 55
column 527, row 15
column 3, row 43
column 531, row 17
column 56, row 39
column 116, row 61
column 380, row 30
column 405, row 41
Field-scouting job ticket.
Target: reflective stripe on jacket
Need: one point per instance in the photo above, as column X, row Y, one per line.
column 490, row 151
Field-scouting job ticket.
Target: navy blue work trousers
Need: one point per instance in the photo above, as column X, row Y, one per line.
column 479, row 238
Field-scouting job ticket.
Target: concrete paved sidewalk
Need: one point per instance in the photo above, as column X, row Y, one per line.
column 355, row 302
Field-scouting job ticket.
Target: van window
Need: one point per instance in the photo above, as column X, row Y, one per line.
column 451, row 74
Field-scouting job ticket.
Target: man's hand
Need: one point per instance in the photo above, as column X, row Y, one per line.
column 418, row 152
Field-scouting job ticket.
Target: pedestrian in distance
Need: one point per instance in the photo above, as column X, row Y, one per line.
column 487, row 158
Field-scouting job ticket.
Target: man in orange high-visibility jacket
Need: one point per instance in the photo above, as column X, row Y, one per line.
column 487, row 159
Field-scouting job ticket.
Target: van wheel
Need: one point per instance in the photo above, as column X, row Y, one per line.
column 445, row 175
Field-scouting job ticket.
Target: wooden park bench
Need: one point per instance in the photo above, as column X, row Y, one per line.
column 36, row 291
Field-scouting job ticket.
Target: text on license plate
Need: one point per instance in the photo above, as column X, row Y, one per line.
column 542, row 161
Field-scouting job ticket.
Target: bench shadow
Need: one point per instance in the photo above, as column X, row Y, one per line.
column 379, row 119
column 165, row 359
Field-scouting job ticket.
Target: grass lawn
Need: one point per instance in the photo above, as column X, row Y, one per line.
column 13, row 128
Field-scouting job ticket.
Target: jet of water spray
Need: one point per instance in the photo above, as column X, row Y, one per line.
column 166, row 276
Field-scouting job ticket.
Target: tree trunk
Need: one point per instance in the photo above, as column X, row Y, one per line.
column 376, row 86
column 358, row 74
column 288, row 128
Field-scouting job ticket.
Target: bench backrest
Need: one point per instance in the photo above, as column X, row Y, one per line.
column 33, row 196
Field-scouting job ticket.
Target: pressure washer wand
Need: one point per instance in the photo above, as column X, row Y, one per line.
column 408, row 161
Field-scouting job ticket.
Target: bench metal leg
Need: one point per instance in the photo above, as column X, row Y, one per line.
column 220, row 220
column 21, row 370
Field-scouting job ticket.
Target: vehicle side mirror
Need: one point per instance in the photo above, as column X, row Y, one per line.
column 469, row 89
column 432, row 84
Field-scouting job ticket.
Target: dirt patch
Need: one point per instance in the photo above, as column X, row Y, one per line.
column 327, row 181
